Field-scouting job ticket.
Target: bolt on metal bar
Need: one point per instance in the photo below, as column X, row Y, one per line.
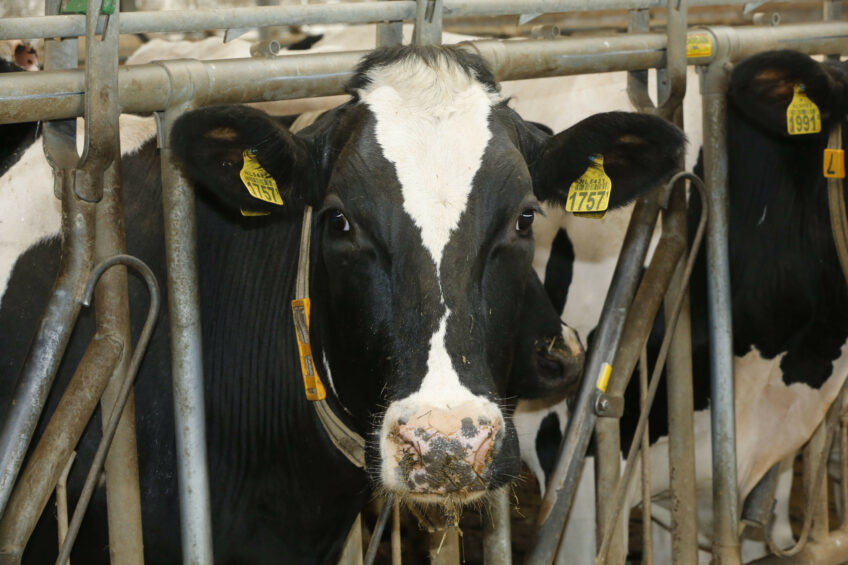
column 124, row 392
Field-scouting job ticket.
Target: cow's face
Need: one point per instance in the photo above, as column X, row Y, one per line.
column 425, row 187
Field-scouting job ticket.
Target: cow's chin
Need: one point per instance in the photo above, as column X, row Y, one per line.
column 454, row 498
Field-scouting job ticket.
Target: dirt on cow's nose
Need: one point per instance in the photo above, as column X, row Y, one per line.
column 445, row 452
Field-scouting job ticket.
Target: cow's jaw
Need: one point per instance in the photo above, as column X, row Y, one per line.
column 432, row 124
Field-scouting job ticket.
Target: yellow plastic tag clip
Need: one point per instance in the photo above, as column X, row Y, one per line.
column 802, row 114
column 833, row 165
column 699, row 45
column 253, row 213
column 604, row 377
column 301, row 310
column 589, row 195
column 259, row 183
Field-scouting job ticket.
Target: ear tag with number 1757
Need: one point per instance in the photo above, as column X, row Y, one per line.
column 259, row 182
column 589, row 195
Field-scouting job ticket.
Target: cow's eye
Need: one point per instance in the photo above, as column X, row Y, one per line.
column 338, row 222
column 525, row 220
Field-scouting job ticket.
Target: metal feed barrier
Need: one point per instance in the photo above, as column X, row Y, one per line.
column 170, row 88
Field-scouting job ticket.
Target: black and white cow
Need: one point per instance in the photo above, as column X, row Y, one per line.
column 789, row 298
column 425, row 186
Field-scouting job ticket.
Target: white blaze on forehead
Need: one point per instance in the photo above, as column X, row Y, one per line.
column 433, row 125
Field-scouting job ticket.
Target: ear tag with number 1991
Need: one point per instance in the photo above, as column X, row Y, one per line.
column 589, row 195
column 802, row 115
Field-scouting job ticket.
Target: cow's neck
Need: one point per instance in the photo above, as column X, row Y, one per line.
column 260, row 425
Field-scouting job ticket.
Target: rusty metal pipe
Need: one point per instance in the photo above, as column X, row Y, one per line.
column 52, row 338
column 563, row 482
column 681, row 441
column 638, row 327
column 123, row 393
column 44, row 467
column 624, row 481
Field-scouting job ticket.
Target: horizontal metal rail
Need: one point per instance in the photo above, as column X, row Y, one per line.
column 48, row 95
column 358, row 13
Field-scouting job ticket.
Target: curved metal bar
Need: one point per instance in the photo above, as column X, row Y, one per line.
column 123, row 393
column 658, row 367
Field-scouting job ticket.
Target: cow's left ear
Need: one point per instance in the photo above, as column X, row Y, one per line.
column 248, row 160
column 763, row 85
column 639, row 151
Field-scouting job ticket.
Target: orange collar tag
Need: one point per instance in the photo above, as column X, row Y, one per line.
column 833, row 165
column 311, row 381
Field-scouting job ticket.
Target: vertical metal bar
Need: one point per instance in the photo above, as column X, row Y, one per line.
column 607, row 473
column 102, row 158
column 681, row 441
column 186, row 353
column 814, row 456
column 396, row 549
column 389, row 33
column 496, row 530
column 560, row 493
column 428, row 22
column 647, row 542
column 725, row 487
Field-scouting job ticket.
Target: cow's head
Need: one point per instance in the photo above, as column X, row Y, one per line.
column 425, row 186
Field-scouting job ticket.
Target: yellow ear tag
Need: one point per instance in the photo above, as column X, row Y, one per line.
column 259, row 183
column 253, row 213
column 589, row 195
column 301, row 310
column 802, row 115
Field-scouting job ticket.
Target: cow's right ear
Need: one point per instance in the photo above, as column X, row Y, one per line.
column 762, row 87
column 245, row 158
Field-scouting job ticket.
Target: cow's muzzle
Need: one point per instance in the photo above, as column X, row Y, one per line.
column 438, row 453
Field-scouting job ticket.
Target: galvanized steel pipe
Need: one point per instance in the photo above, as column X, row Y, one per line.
column 725, row 486
column 186, row 351
column 351, row 13
column 496, row 530
column 29, row 97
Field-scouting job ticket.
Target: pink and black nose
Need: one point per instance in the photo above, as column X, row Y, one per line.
column 442, row 451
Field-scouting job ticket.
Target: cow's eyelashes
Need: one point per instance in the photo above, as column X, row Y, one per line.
column 338, row 222
column 525, row 220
